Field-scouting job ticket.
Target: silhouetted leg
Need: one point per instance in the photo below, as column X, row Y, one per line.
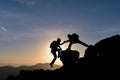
column 59, row 53
column 54, row 59
column 69, row 47
column 83, row 43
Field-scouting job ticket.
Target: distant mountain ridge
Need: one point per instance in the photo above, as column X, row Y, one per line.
column 5, row 71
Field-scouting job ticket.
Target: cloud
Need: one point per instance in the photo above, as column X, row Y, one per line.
column 17, row 18
column 41, row 2
column 27, row 2
column 56, row 1
column 11, row 14
column 3, row 28
column 110, row 30
column 33, row 33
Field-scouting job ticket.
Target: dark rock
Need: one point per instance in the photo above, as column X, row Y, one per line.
column 69, row 57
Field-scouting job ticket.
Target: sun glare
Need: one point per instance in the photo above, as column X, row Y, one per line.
column 45, row 55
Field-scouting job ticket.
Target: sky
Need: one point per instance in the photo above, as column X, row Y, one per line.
column 27, row 27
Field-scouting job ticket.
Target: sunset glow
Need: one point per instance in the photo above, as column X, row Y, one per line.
column 27, row 27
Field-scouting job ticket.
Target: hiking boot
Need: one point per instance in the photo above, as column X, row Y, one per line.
column 51, row 64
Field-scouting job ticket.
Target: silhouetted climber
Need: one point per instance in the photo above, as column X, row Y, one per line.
column 55, row 47
column 74, row 38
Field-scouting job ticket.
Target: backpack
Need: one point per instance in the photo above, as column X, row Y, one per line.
column 52, row 45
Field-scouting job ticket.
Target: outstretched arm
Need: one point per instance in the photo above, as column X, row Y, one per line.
column 64, row 42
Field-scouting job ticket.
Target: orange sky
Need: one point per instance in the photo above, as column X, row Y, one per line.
column 36, row 52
